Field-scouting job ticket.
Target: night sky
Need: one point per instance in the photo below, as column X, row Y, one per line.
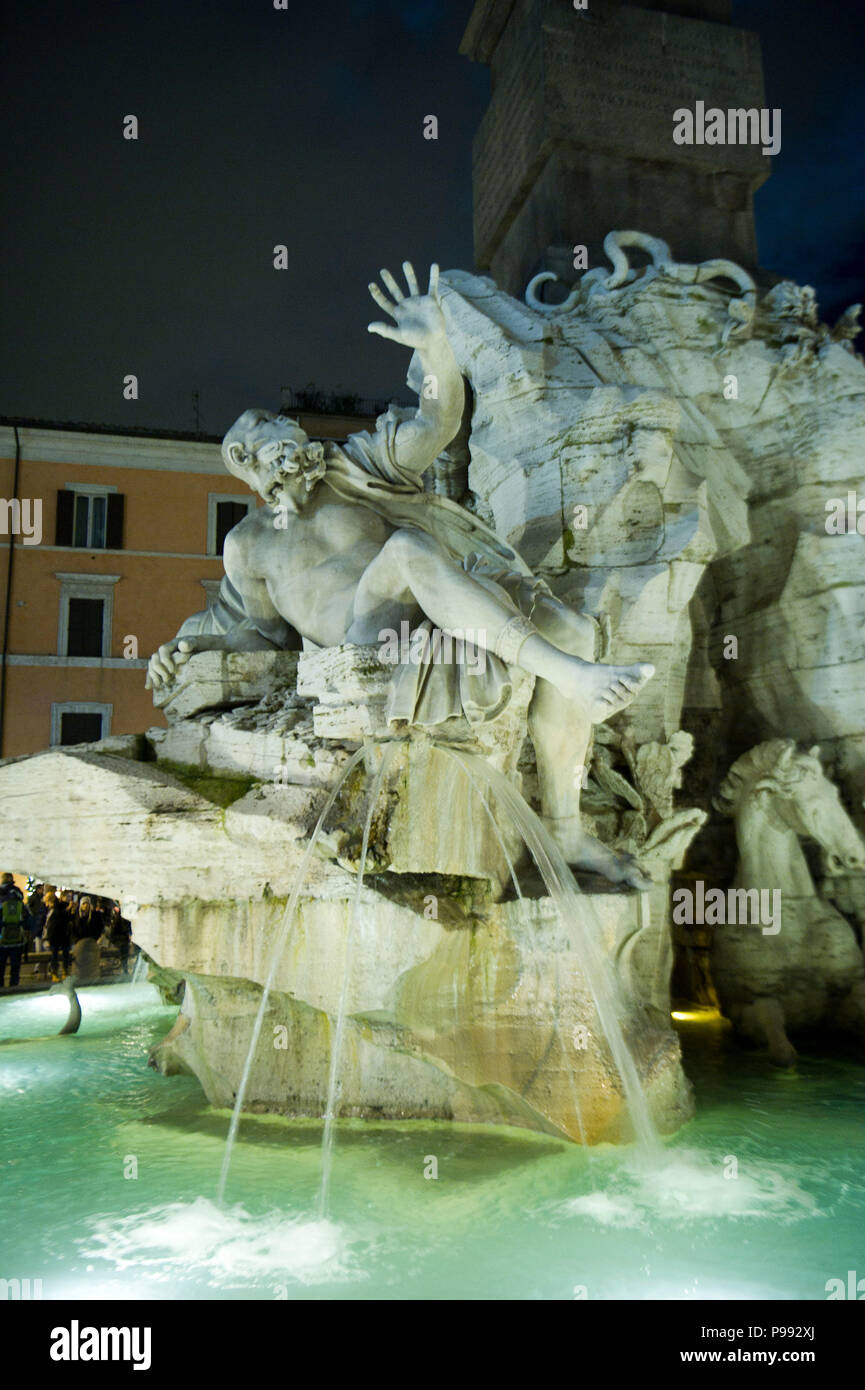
column 304, row 127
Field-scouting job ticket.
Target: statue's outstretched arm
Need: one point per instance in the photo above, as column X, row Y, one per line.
column 420, row 325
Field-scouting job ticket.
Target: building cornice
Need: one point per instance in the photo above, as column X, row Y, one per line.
column 109, row 663
column 112, row 450
column 74, row 551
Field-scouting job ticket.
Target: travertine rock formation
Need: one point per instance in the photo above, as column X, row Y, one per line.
column 462, row 1003
column 706, row 428
column 589, row 452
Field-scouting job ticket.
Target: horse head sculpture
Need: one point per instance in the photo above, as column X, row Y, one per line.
column 792, row 791
column 812, row 973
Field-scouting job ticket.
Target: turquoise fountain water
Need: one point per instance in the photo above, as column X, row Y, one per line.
column 761, row 1196
column 103, row 1198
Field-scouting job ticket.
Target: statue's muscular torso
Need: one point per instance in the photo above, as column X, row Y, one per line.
column 307, row 570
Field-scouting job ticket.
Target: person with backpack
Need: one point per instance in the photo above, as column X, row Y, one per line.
column 14, row 932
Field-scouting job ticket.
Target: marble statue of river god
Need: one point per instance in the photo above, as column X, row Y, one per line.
column 350, row 545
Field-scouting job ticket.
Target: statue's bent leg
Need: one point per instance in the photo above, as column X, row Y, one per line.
column 412, row 566
column 413, row 576
column 560, row 733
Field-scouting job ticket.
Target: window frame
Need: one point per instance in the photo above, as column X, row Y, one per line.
column 89, row 623
column 91, row 491
column 93, row 586
column 89, row 542
column 61, row 707
column 213, row 501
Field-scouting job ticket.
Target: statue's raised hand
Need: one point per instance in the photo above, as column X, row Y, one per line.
column 419, row 320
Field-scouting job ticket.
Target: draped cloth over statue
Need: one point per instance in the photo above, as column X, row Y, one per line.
column 365, row 471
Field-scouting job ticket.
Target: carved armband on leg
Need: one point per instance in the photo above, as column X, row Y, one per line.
column 511, row 638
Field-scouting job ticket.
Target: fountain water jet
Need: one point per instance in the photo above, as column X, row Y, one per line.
column 564, row 892
column 278, row 948
column 519, row 894
column 336, row 1049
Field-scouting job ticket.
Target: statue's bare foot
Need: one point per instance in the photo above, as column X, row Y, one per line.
column 584, row 851
column 603, row 690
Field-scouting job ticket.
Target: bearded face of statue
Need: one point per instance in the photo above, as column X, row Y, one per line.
column 274, row 457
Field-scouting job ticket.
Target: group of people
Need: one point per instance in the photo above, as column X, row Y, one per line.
column 59, row 922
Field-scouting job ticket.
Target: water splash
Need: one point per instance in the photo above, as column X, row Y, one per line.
column 276, row 956
column 139, row 972
column 694, row 1185
column 199, row 1237
column 336, row 1049
column 575, row 910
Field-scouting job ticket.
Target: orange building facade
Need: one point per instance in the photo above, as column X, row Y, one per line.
column 124, row 544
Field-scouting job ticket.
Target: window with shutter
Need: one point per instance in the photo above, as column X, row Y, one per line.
column 80, row 721
column 228, row 514
column 88, row 530
column 85, row 627
column 89, row 520
column 114, row 522
column 80, row 728
column 65, row 515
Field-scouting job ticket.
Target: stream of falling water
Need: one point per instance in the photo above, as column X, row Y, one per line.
column 573, row 909
column 278, row 948
column 531, row 943
column 571, row 905
column 336, row 1046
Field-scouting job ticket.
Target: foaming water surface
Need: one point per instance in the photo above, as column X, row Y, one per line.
column 109, row 1171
